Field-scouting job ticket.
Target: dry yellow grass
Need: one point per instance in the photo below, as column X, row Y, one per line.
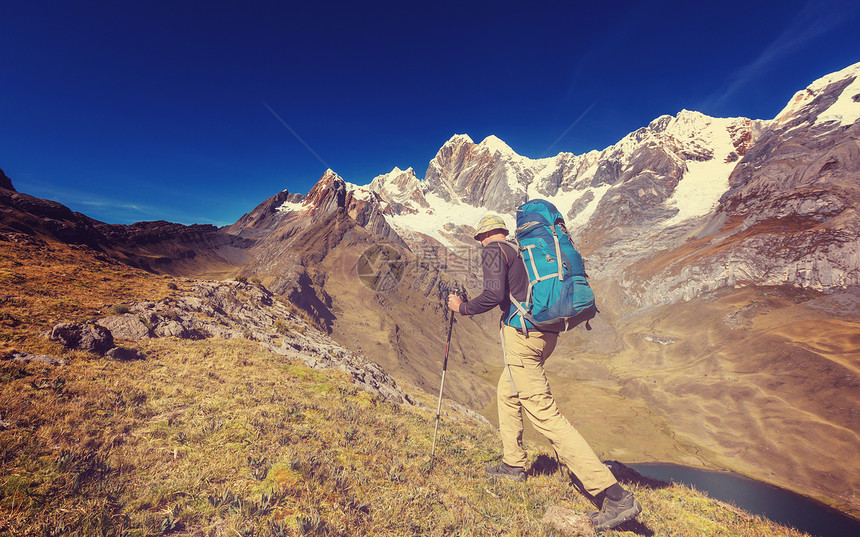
column 218, row 437
column 44, row 283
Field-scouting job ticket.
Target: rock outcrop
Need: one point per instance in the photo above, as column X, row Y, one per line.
column 126, row 326
column 27, row 357
column 124, row 354
column 264, row 218
column 83, row 337
column 242, row 310
column 5, row 182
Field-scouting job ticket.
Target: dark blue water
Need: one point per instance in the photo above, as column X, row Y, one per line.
column 759, row 498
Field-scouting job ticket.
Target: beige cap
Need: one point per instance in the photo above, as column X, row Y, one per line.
column 490, row 222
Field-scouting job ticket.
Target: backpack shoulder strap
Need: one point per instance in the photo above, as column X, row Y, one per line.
column 519, row 310
column 504, row 253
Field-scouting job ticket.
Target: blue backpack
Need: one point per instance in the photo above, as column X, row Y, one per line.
column 558, row 296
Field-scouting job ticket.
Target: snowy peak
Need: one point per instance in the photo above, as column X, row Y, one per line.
column 832, row 100
column 489, row 174
column 459, row 139
column 401, row 189
column 691, row 136
column 392, row 185
column 806, row 159
column 711, row 154
column 332, row 192
column 331, row 199
column 748, row 194
column 494, row 144
column 643, row 171
column 327, row 195
column 666, row 173
column 672, row 170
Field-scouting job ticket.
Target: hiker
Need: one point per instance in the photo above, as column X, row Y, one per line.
column 524, row 387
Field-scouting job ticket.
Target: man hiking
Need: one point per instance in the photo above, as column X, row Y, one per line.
column 523, row 385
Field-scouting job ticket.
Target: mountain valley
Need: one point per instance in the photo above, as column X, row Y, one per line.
column 724, row 252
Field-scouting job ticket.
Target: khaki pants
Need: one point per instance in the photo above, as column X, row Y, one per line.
column 525, row 358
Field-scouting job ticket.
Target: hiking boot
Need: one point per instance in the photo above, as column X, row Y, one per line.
column 614, row 513
column 517, row 473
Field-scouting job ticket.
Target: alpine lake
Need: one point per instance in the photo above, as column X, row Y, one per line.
column 768, row 501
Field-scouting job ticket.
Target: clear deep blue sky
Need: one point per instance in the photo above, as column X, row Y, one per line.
column 130, row 111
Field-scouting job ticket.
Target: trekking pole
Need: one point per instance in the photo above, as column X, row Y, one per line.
column 442, row 385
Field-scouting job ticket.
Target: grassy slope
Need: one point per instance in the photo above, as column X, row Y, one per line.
column 219, row 437
column 42, row 284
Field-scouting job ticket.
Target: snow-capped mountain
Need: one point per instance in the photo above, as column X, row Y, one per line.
column 490, row 176
column 674, row 169
column 789, row 215
column 830, row 100
column 680, row 178
column 401, row 189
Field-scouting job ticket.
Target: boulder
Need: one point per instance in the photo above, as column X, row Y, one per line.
column 27, row 357
column 85, row 337
column 125, row 326
column 124, row 354
column 172, row 329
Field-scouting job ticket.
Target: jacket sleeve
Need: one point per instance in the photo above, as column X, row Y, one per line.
column 494, row 293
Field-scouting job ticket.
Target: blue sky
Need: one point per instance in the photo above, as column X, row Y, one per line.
column 195, row 112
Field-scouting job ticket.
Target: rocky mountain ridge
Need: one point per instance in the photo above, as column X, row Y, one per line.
column 5, row 182
column 223, row 310
column 675, row 208
column 159, row 245
column 789, row 214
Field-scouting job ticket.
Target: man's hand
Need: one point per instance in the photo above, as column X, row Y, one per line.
column 454, row 303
